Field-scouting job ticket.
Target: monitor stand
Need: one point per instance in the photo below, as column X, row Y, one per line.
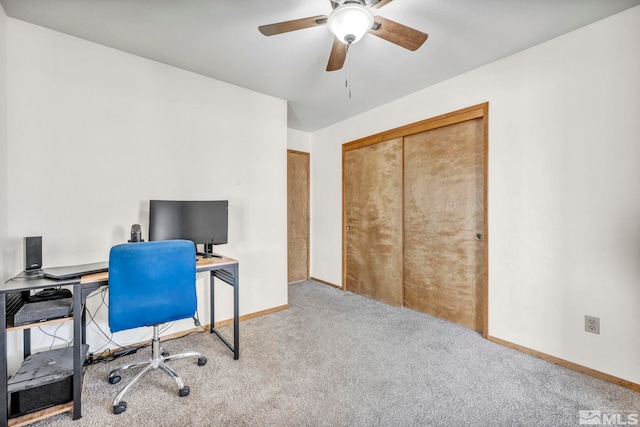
column 208, row 252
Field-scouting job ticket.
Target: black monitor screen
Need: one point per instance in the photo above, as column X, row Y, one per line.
column 202, row 222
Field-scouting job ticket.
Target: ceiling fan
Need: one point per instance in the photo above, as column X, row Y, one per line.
column 348, row 22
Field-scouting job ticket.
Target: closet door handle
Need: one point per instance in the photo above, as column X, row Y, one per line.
column 478, row 236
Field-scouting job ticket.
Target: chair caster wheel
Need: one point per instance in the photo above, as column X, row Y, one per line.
column 114, row 380
column 165, row 353
column 202, row 361
column 120, row 407
column 184, row 391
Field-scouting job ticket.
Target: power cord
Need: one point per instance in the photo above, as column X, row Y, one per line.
column 55, row 336
column 121, row 350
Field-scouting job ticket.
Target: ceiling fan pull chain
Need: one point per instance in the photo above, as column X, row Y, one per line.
column 348, row 80
column 346, row 74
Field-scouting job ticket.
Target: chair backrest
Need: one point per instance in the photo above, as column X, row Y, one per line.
column 151, row 283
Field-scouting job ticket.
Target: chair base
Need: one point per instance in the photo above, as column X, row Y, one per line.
column 157, row 361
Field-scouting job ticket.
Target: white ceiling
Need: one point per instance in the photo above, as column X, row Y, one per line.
column 220, row 39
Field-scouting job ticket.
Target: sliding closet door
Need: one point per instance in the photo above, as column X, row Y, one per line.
column 444, row 222
column 373, row 220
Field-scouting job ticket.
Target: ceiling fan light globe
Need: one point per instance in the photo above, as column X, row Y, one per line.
column 350, row 22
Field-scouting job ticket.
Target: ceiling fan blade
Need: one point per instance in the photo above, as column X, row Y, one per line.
column 399, row 34
column 381, row 3
column 338, row 55
column 296, row 24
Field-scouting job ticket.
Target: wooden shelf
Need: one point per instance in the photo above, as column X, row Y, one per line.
column 35, row 325
column 32, row 417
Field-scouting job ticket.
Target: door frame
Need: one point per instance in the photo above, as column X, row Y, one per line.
column 480, row 111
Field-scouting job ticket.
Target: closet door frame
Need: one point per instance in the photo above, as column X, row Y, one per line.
column 480, row 111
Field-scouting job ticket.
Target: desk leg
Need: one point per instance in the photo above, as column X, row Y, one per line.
column 4, row 396
column 77, row 352
column 235, row 348
column 211, row 303
column 83, row 325
column 236, row 313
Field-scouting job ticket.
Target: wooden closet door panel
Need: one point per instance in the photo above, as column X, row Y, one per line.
column 443, row 190
column 298, row 215
column 373, row 221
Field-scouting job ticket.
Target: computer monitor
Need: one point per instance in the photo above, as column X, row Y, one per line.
column 201, row 221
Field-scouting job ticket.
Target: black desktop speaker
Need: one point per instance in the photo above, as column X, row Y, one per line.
column 32, row 253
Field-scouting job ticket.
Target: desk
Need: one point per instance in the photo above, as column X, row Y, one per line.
column 225, row 269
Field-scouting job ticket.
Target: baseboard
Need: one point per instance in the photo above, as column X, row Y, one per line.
column 569, row 365
column 251, row 315
column 203, row 328
column 325, row 283
column 561, row 362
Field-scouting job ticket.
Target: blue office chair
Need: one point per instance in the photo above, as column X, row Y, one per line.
column 151, row 283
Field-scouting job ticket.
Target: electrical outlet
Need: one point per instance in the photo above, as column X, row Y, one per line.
column 592, row 324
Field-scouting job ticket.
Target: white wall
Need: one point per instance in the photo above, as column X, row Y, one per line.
column 4, row 186
column 94, row 133
column 298, row 140
column 564, row 206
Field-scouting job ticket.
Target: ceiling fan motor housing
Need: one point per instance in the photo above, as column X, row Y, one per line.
column 350, row 21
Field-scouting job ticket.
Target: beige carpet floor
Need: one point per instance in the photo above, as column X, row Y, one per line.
column 338, row 359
